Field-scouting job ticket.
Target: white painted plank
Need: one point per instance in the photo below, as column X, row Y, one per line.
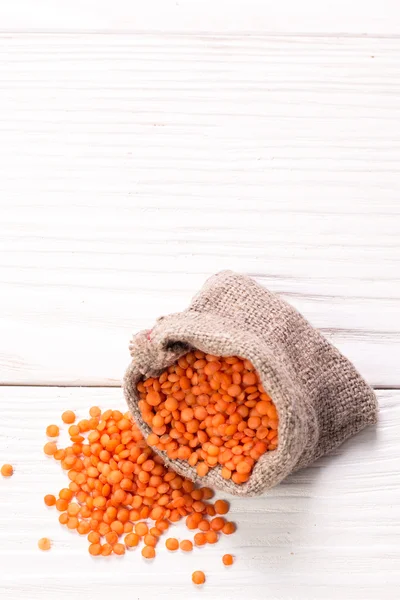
column 329, row 532
column 133, row 167
column 310, row 16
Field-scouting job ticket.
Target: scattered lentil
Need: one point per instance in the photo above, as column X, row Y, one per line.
column 68, row 417
column 172, row 544
column 186, row 545
column 7, row 470
column 50, row 500
column 148, row 552
column 198, row 577
column 44, row 544
column 52, row 431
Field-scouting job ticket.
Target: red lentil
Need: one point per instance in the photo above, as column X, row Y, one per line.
column 200, row 539
column 221, row 507
column 186, row 545
column 131, row 540
column 119, row 549
column 68, row 417
column 198, row 577
column 44, row 544
column 49, row 500
column 211, row 537
column 52, row 431
column 95, row 549
column 7, row 470
column 172, row 544
column 229, row 528
column 227, row 559
column 50, row 448
column 106, row 550
column 148, row 552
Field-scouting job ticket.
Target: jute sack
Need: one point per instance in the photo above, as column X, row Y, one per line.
column 320, row 397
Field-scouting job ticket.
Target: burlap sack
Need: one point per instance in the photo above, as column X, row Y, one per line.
column 320, row 398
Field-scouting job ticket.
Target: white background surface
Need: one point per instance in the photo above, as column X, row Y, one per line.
column 144, row 146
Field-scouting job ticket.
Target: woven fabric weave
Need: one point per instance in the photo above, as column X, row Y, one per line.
column 320, row 397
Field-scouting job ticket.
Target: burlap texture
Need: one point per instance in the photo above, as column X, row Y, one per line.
column 320, row 397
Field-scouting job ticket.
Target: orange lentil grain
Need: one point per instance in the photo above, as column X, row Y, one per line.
column 72, row 523
column 61, row 504
column 211, row 537
column 148, row 552
column 118, row 527
column 50, row 448
column 63, row 518
column 217, row 523
column 68, row 417
column 172, row 544
column 200, row 539
column 44, row 544
column 95, row 549
column 50, row 500
column 141, row 529
column 94, row 537
column 106, row 550
column 227, row 559
column 7, row 470
column 202, row 469
column 221, row 507
column 83, row 527
column 198, row 577
column 150, row 540
column 52, row 431
column 162, row 525
column 186, row 545
column 229, row 528
column 94, row 411
column 119, row 549
column 131, row 540
column 66, row 494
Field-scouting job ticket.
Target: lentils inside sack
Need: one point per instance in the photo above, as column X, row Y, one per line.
column 121, row 494
column 210, row 411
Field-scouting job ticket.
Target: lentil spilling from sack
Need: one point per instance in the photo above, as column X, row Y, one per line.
column 120, row 493
column 210, row 411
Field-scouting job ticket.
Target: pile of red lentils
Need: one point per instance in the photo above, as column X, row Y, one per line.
column 210, row 411
column 121, row 495
column 205, row 409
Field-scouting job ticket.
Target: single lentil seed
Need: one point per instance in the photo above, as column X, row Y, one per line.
column 52, row 431
column 68, row 417
column 186, row 545
column 227, row 559
column 198, row 577
column 148, row 552
column 44, row 544
column 7, row 470
column 172, row 544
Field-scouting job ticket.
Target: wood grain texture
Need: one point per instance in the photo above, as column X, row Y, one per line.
column 357, row 17
column 134, row 166
column 329, row 532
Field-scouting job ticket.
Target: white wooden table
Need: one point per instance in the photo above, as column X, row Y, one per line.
column 144, row 146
